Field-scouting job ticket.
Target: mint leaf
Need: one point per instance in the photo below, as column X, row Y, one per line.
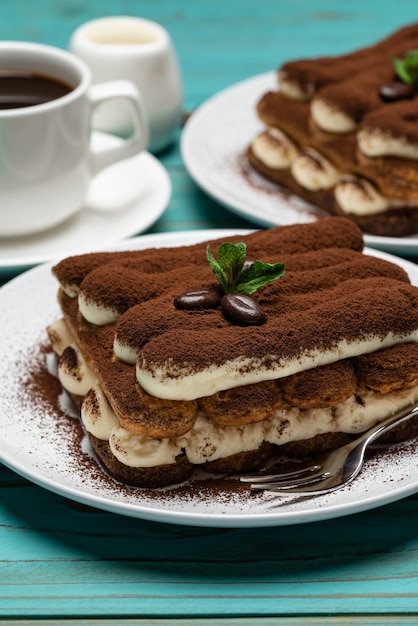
column 257, row 275
column 231, row 258
column 232, row 278
column 217, row 270
column 407, row 69
column 401, row 71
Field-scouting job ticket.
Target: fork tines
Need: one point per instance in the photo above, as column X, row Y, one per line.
column 287, row 480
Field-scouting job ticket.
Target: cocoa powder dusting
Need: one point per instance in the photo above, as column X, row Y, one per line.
column 297, row 326
column 400, row 119
column 330, row 293
column 41, row 389
column 281, row 240
column 332, row 69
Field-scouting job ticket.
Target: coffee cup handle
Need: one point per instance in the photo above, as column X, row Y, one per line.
column 120, row 89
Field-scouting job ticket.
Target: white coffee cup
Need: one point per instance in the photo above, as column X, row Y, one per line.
column 46, row 161
column 141, row 51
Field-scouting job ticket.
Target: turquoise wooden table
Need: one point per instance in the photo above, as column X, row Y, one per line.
column 65, row 563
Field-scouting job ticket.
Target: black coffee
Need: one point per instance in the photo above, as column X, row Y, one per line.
column 25, row 89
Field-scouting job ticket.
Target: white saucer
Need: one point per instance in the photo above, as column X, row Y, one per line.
column 124, row 200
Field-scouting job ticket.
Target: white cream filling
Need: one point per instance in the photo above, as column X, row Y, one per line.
column 124, row 352
column 97, row 415
column 207, row 441
column 97, row 314
column 78, row 378
column 359, row 197
column 331, row 119
column 354, row 417
column 313, row 171
column 137, row 451
column 294, row 90
column 374, row 143
column 178, row 383
column 71, row 290
column 273, row 148
column 351, row 416
column 60, row 336
column 353, row 194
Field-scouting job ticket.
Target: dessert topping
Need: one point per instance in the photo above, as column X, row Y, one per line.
column 396, row 91
column 239, row 279
column 407, row 69
column 242, row 310
column 407, row 73
column 237, row 276
column 198, row 300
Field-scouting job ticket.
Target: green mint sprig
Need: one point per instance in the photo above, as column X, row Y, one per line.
column 229, row 271
column 407, row 68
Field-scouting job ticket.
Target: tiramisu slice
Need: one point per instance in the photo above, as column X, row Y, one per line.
column 341, row 132
column 226, row 355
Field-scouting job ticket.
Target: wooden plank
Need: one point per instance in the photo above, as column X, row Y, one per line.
column 335, row 620
column 58, row 558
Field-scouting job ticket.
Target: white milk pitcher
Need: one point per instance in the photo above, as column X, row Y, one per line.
column 142, row 52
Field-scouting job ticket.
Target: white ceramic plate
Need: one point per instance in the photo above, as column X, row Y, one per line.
column 124, row 200
column 41, row 442
column 213, row 146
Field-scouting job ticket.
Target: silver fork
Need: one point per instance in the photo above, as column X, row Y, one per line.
column 338, row 469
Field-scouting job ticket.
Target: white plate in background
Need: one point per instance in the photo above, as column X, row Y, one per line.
column 213, row 146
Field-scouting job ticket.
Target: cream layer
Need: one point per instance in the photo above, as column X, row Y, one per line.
column 359, row 197
column 330, row 118
column 173, row 382
column 294, row 89
column 355, row 195
column 312, row 171
column 374, row 142
column 275, row 149
column 73, row 372
column 96, row 313
column 207, row 441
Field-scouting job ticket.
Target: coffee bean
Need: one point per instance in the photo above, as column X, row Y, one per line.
column 198, row 300
column 396, row 91
column 242, row 310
